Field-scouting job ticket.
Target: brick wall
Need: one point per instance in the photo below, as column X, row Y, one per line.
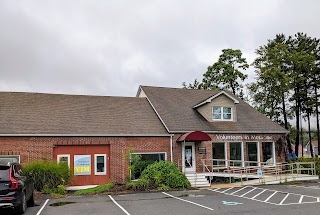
column 39, row 148
column 280, row 148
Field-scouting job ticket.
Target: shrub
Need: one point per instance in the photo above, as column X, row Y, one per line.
column 161, row 175
column 138, row 167
column 94, row 190
column 60, row 190
column 48, row 175
column 304, row 159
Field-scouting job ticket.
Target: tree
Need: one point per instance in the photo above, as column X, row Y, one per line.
column 272, row 86
column 226, row 72
column 195, row 85
column 302, row 62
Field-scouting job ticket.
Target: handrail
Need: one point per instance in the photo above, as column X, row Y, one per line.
column 276, row 169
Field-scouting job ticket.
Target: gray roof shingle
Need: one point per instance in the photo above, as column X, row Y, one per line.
column 38, row 113
column 175, row 107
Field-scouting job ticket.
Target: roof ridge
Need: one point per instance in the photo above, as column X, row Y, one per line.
column 58, row 94
column 180, row 88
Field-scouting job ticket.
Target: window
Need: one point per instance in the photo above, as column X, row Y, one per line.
column 268, row 153
column 236, row 154
column 100, row 164
column 222, row 113
column 252, row 153
column 139, row 161
column 10, row 158
column 219, row 154
column 64, row 158
column 4, row 173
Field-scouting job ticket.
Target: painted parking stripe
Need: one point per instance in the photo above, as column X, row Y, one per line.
column 114, row 201
column 317, row 199
column 188, row 201
column 237, row 191
column 258, row 194
column 284, row 199
column 226, row 190
column 270, row 196
column 245, row 197
column 301, row 198
column 248, row 192
column 46, row 202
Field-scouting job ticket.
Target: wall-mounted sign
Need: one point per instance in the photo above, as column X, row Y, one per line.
column 243, row 137
column 202, row 150
column 82, row 165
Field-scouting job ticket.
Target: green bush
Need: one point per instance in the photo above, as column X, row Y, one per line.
column 94, row 190
column 161, row 175
column 304, row 159
column 60, row 190
column 138, row 167
column 48, row 175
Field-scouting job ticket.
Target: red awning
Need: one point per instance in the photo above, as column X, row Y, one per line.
column 194, row 136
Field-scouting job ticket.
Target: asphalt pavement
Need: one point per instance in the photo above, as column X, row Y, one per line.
column 294, row 199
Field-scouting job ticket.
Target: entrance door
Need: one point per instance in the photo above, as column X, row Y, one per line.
column 252, row 154
column 188, row 158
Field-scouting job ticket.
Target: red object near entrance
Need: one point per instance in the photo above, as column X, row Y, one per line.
column 90, row 165
column 194, row 136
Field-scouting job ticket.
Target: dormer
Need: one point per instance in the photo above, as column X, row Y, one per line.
column 218, row 108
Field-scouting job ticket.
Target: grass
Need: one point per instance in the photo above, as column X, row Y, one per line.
column 95, row 190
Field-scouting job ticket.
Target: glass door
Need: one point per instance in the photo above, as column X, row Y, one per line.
column 236, row 154
column 189, row 157
column 252, row 153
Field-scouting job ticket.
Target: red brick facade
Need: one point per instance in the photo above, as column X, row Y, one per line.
column 39, row 148
column 219, row 137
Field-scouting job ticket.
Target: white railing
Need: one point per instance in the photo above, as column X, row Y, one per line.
column 245, row 169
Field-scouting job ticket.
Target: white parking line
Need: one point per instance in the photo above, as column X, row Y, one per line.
column 114, row 201
column 237, row 191
column 300, row 200
column 227, row 190
column 39, row 212
column 270, row 196
column 187, row 201
column 248, row 192
column 258, row 194
column 284, row 199
column 317, row 199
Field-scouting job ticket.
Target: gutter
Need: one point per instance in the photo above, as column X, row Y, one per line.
column 171, row 155
column 85, row 135
column 237, row 132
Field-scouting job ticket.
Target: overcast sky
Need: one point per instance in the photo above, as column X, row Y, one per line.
column 111, row 47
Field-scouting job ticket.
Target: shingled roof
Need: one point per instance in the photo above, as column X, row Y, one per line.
column 37, row 113
column 175, row 108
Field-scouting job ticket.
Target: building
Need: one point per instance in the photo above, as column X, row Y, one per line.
column 97, row 134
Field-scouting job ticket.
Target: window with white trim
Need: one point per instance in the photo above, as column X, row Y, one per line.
column 64, row 158
column 222, row 113
column 100, row 164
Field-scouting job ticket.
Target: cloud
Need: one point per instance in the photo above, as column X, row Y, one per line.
column 111, row 47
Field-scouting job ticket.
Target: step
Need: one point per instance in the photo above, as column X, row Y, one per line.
column 197, row 180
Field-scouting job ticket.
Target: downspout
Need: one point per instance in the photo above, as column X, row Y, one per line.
column 171, row 155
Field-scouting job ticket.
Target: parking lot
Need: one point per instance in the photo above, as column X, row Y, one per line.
column 271, row 199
